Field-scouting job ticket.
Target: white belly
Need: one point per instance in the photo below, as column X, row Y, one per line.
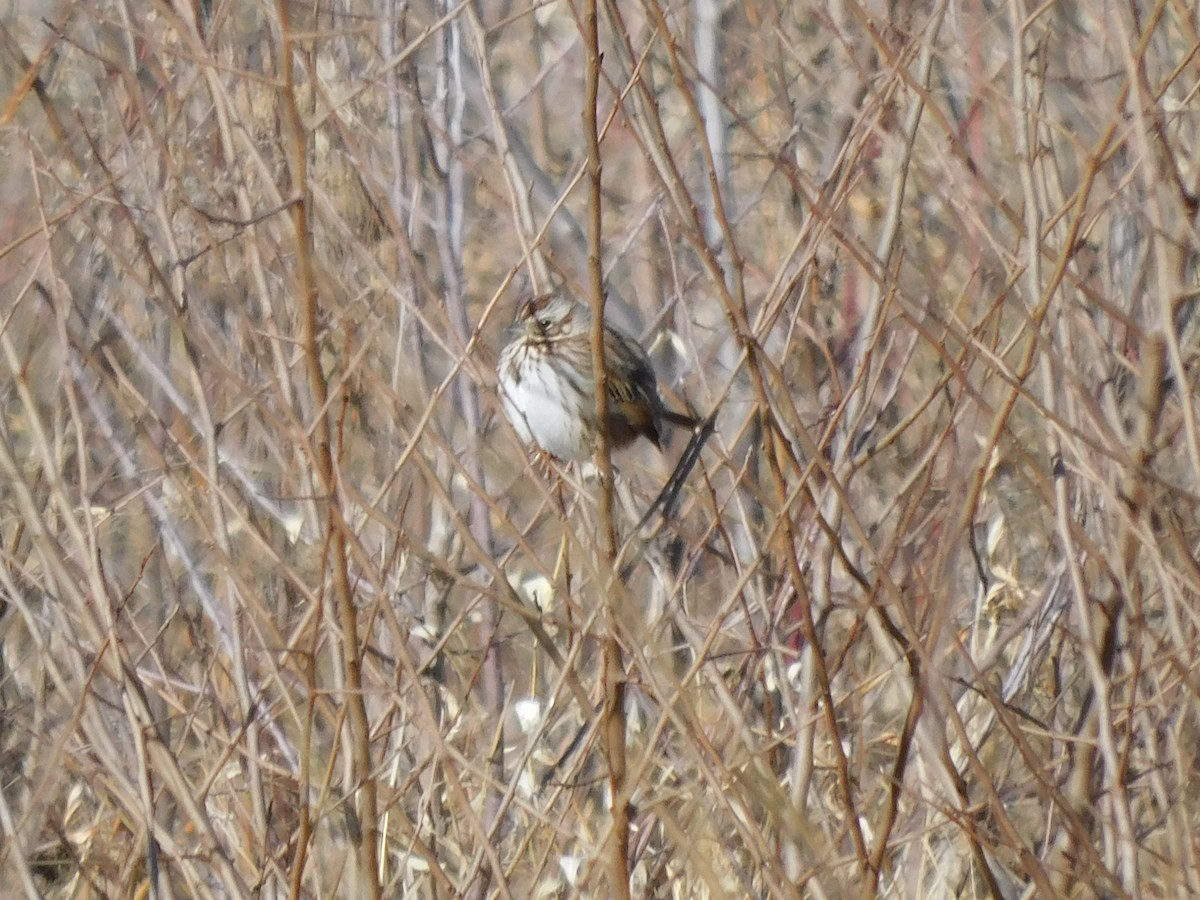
column 537, row 413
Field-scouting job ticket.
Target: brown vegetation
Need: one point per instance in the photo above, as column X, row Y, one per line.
column 289, row 611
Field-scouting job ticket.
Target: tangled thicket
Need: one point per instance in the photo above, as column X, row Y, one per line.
column 289, row 611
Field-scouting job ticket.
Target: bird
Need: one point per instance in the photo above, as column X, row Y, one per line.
column 548, row 388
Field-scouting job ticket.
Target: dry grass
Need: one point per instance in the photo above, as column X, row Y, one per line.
column 286, row 610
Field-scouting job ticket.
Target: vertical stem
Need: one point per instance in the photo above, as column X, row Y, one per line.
column 322, row 454
column 450, row 201
column 614, row 666
column 707, row 32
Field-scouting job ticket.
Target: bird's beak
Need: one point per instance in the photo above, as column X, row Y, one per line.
column 520, row 324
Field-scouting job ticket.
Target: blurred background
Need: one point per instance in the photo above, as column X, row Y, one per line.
column 289, row 611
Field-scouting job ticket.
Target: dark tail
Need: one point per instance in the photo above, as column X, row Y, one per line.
column 669, row 415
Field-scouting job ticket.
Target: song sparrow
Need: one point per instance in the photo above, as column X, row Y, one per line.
column 549, row 392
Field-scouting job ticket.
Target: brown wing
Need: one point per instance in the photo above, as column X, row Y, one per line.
column 634, row 405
